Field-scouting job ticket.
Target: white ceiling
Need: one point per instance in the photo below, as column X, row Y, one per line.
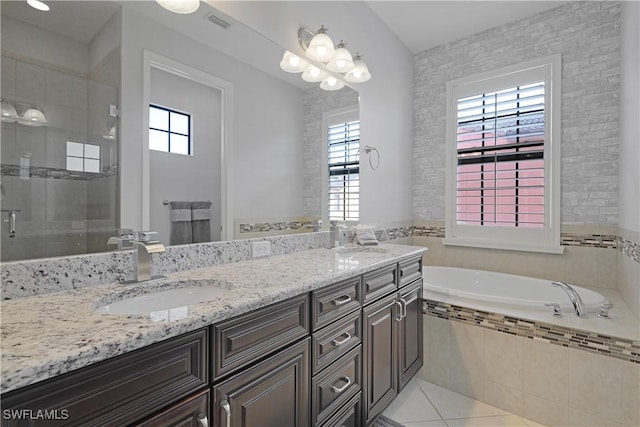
column 66, row 18
column 422, row 25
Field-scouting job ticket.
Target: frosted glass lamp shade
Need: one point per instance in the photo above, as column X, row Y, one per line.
column 9, row 113
column 321, row 47
column 313, row 74
column 343, row 62
column 360, row 73
column 37, row 4
column 33, row 117
column 292, row 63
column 180, row 6
column 331, row 83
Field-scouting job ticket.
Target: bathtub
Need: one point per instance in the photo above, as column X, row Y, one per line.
column 486, row 289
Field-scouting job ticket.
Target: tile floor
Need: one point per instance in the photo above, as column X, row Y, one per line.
column 422, row 404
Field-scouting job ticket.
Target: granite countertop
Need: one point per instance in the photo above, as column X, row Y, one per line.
column 48, row 335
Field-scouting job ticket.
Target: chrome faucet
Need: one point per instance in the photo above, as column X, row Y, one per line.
column 142, row 255
column 574, row 296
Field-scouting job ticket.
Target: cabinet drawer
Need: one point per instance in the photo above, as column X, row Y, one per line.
column 244, row 339
column 191, row 412
column 409, row 271
column 331, row 388
column 331, row 303
column 330, row 343
column 347, row 416
column 121, row 390
column 378, row 283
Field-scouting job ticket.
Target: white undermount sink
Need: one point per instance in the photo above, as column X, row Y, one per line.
column 161, row 300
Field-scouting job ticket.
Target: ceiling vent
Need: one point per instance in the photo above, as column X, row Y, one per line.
column 211, row 17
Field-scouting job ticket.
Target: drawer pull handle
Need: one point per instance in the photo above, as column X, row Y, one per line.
column 342, row 300
column 227, row 409
column 203, row 421
column 347, row 337
column 344, row 387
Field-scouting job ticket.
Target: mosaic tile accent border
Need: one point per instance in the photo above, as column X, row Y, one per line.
column 629, row 248
column 428, row 231
column 608, row 241
column 57, row 173
column 604, row 345
column 262, row 227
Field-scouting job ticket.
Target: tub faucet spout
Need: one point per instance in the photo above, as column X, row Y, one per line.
column 574, row 296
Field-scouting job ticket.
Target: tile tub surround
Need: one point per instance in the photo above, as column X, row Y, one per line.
column 48, row 335
column 555, row 385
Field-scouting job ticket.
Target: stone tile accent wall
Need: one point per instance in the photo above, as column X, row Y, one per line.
column 587, row 35
column 582, row 340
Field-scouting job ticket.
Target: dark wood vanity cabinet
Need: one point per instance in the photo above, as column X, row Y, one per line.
column 410, row 337
column 392, row 333
column 336, row 356
column 118, row 391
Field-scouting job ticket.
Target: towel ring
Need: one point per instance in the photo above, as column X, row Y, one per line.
column 368, row 149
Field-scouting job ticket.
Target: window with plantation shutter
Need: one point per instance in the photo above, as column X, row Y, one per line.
column 503, row 159
column 343, row 140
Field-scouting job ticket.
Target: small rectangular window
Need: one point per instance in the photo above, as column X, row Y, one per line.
column 83, row 157
column 344, row 171
column 169, row 130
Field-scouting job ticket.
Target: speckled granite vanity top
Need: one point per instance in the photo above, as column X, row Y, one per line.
column 47, row 335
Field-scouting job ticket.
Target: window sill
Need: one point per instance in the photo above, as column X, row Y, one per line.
column 504, row 245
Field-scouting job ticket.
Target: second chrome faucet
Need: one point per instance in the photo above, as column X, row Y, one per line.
column 144, row 247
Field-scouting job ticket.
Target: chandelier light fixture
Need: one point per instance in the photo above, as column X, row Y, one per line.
column 332, row 66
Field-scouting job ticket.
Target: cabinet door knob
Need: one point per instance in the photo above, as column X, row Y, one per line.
column 344, row 387
column 227, row 409
column 347, row 337
column 203, row 421
column 342, row 300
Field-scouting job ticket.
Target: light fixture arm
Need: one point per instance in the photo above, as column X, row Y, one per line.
column 304, row 37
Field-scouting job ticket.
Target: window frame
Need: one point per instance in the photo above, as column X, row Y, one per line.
column 547, row 238
column 332, row 118
column 84, row 157
column 170, row 132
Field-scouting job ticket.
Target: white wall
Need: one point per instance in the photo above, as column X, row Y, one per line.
column 629, row 173
column 186, row 178
column 386, row 111
column 267, row 123
column 32, row 42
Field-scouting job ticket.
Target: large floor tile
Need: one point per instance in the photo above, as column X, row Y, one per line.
column 500, row 421
column 452, row 405
column 411, row 406
column 426, row 424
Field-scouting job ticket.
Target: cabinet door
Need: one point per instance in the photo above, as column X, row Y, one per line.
column 380, row 377
column 410, row 332
column 191, row 412
column 273, row 393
